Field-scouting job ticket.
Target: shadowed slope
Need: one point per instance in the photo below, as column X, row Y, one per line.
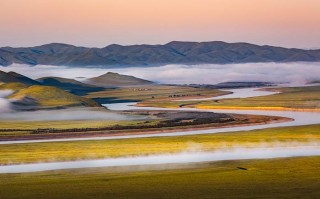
column 70, row 85
column 114, row 79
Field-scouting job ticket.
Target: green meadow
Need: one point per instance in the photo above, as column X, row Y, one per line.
column 292, row 98
column 264, row 179
column 156, row 93
column 29, row 126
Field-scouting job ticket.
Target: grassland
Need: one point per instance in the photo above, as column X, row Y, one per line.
column 295, row 98
column 265, row 179
column 13, row 86
column 61, row 151
column 48, row 96
column 155, row 93
column 151, row 122
column 29, row 126
column 64, row 124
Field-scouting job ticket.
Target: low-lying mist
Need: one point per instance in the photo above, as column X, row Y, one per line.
column 5, row 104
column 164, row 160
column 66, row 114
column 294, row 73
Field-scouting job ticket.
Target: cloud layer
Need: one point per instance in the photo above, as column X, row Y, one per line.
column 295, row 73
column 5, row 105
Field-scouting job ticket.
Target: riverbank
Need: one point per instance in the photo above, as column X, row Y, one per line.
column 70, row 150
column 240, row 121
column 257, row 108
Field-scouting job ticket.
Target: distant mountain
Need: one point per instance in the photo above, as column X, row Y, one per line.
column 70, row 85
column 114, row 80
column 175, row 52
column 15, row 77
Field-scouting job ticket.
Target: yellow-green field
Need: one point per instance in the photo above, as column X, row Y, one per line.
column 32, row 125
column 289, row 178
column 282, row 178
column 48, row 96
column 291, row 98
column 62, row 151
column 61, row 124
column 156, row 93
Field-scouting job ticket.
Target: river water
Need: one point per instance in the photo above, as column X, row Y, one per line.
column 236, row 93
column 178, row 158
column 300, row 118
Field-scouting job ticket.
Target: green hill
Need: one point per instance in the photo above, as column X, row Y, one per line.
column 70, row 85
column 114, row 80
column 13, row 86
column 48, row 96
column 15, row 77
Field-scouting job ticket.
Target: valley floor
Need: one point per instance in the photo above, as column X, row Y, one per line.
column 99, row 149
column 275, row 178
column 291, row 98
column 285, row 178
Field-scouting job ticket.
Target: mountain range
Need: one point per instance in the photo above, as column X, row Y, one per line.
column 175, row 52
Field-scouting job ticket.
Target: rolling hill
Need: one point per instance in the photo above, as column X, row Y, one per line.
column 15, row 86
column 115, row 80
column 11, row 77
column 48, row 96
column 70, row 85
column 175, row 52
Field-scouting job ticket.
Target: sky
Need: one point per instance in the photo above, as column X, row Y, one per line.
column 98, row 23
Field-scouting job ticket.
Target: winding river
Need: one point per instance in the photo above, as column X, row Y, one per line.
column 178, row 158
column 235, row 93
column 300, row 118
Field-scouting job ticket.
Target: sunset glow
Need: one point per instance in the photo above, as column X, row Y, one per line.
column 293, row 23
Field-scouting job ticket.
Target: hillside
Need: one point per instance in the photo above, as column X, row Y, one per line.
column 114, row 80
column 175, row 52
column 70, row 85
column 11, row 77
column 44, row 97
column 13, row 86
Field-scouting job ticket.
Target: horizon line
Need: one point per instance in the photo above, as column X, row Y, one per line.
column 163, row 44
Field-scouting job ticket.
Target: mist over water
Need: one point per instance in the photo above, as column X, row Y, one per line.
column 295, row 73
column 8, row 113
column 5, row 105
column 161, row 160
column 67, row 114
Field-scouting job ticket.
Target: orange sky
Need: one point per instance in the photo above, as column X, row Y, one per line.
column 291, row 23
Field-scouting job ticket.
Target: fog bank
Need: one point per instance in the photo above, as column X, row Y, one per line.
column 295, row 73
column 5, row 105
column 178, row 158
column 67, row 114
